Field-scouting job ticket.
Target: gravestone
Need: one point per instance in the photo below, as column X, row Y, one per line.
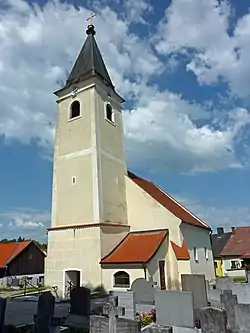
column 100, row 324
column 225, row 283
column 154, row 328
column 213, row 320
column 197, row 285
column 2, row 313
column 15, row 282
column 113, row 311
column 242, row 317
column 126, row 299
column 174, row 308
column 144, row 291
column 79, row 314
column 229, row 301
column 45, row 312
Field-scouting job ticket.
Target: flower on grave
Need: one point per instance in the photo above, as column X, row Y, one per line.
column 147, row 318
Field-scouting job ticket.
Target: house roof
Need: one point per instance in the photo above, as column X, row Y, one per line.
column 181, row 252
column 219, row 241
column 238, row 244
column 136, row 247
column 168, row 202
column 9, row 251
column 89, row 62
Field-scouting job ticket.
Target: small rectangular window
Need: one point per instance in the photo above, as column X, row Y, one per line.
column 195, row 254
column 73, row 180
column 206, row 253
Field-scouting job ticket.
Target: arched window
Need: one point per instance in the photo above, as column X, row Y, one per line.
column 110, row 113
column 74, row 110
column 121, row 280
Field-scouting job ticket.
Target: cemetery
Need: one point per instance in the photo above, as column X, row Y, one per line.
column 198, row 307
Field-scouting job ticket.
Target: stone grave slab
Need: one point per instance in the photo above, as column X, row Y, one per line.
column 225, row 283
column 126, row 299
column 197, row 285
column 242, row 317
column 174, row 308
column 229, row 301
column 213, row 320
column 144, row 291
column 45, row 312
column 80, row 308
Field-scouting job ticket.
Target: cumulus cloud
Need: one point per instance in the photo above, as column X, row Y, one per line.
column 26, row 221
column 38, row 45
column 215, row 46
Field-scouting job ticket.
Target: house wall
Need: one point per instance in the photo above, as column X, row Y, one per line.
column 227, row 267
column 218, row 269
column 200, row 239
column 29, row 261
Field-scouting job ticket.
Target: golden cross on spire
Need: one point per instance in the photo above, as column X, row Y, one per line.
column 90, row 18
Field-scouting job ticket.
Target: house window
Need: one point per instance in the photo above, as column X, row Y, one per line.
column 110, row 115
column 235, row 264
column 73, row 180
column 74, row 110
column 195, row 254
column 215, row 264
column 121, row 280
column 206, row 253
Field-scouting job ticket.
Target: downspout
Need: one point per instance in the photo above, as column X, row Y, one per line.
column 210, row 236
column 145, row 270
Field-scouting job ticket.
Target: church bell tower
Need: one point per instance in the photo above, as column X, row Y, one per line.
column 89, row 210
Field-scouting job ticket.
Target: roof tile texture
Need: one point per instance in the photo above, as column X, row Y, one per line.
column 136, row 247
column 239, row 242
column 8, row 251
column 181, row 252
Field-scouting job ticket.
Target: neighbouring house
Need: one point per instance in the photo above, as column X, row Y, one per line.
column 21, row 258
column 235, row 251
column 110, row 226
column 219, row 241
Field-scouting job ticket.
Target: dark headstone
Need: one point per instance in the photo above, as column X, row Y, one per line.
column 79, row 316
column 229, row 301
column 242, row 316
column 196, row 284
column 80, row 301
column 45, row 312
column 213, row 320
column 2, row 313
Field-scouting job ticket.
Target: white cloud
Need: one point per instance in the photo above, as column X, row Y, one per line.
column 200, row 30
column 217, row 216
column 38, row 44
column 27, row 221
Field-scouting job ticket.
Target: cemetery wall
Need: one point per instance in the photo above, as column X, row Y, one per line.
column 80, row 243
column 145, row 213
column 199, row 238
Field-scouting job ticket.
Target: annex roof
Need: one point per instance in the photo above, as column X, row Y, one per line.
column 181, row 252
column 219, row 241
column 168, row 202
column 136, row 247
column 9, row 251
column 238, row 244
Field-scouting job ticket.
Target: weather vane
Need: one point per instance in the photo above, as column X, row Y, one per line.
column 90, row 18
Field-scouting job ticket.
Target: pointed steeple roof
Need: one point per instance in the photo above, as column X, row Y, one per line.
column 89, row 62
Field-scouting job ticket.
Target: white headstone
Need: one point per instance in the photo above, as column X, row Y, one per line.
column 126, row 299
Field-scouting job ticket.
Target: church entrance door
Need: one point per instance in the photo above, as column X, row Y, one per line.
column 72, row 280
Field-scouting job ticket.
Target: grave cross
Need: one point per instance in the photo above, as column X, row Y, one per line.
column 113, row 311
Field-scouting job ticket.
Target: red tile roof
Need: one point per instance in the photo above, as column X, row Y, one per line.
column 168, row 202
column 9, row 251
column 181, row 252
column 136, row 247
column 238, row 244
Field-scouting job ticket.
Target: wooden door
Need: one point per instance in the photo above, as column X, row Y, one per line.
column 162, row 274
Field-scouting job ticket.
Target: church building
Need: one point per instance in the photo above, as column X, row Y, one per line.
column 109, row 226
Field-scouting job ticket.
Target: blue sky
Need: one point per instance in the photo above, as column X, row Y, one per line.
column 183, row 68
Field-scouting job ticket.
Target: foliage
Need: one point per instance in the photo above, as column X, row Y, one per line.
column 43, row 246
